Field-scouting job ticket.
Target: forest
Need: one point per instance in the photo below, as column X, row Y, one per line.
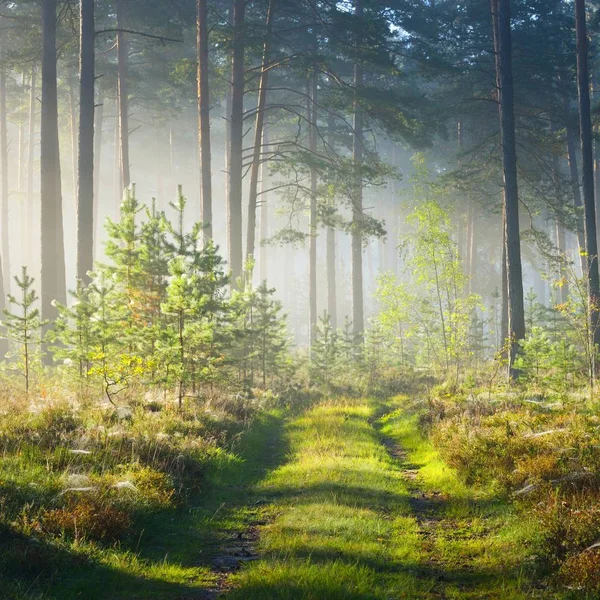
column 299, row 299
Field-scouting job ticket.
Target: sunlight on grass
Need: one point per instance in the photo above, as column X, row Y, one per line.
column 473, row 527
column 343, row 528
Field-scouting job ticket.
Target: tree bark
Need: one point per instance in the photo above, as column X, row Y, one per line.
column 123, row 94
column 118, row 173
column 30, row 162
column 258, row 133
column 330, row 250
column 98, row 131
column 264, row 210
column 516, row 315
column 559, row 229
column 504, row 291
column 357, row 200
column 22, row 150
column 204, row 117
column 73, row 122
column 85, row 154
column 587, row 166
column 312, row 233
column 576, row 195
column 53, row 285
column 234, row 225
column 4, row 191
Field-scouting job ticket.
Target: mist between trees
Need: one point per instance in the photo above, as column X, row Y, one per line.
column 414, row 181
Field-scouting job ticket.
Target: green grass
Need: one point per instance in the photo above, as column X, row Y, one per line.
column 343, row 527
column 171, row 552
column 341, row 518
column 346, row 524
column 479, row 542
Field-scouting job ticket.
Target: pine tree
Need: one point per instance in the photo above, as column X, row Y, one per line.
column 271, row 332
column 112, row 363
column 324, row 354
column 74, row 332
column 182, row 306
column 24, row 326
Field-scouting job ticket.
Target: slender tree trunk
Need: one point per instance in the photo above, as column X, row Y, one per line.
column 587, row 160
column 85, row 155
column 98, row 137
column 73, row 123
column 563, row 295
column 312, row 234
column 576, row 194
column 516, row 315
column 330, row 249
column 22, row 149
column 4, row 191
column 258, row 133
column 563, row 290
column 22, row 183
column 204, row 117
column 357, row 207
column 472, row 248
column 171, row 183
column 160, row 188
column 123, row 94
column 264, row 209
column 53, row 285
column 504, row 290
column 234, row 233
column 118, row 174
column 30, row 164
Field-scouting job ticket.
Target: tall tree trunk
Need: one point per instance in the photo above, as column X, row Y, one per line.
column 264, row 210
column 330, row 250
column 504, row 290
column 22, row 147
column 98, row 131
column 357, row 204
column 234, row 201
column 85, row 155
column 559, row 229
column 587, row 166
column 258, row 133
column 576, row 194
column 123, row 94
column 30, row 163
column 118, row 173
column 4, row 192
column 73, row 123
column 563, row 294
column 516, row 315
column 22, row 183
column 204, row 117
column 312, row 233
column 53, row 285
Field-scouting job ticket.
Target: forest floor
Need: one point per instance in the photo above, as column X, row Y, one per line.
column 343, row 501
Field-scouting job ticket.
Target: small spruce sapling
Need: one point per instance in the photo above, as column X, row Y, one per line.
column 23, row 326
column 325, row 353
column 75, row 331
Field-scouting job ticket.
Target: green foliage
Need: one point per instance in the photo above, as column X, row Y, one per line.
column 74, row 332
column 546, row 364
column 158, row 313
column 259, row 332
column 23, row 327
column 326, row 351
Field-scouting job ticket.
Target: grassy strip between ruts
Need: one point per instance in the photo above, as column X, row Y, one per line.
column 346, row 525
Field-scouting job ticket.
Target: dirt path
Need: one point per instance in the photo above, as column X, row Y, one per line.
column 364, row 509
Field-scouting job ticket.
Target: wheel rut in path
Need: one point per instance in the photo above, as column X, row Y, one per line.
column 426, row 508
